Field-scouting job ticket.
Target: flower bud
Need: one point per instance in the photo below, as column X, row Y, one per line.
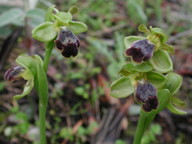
column 141, row 50
column 13, row 73
column 146, row 94
column 67, row 42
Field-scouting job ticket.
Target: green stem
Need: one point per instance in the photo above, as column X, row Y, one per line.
column 145, row 119
column 140, row 129
column 48, row 50
column 42, row 122
column 43, row 93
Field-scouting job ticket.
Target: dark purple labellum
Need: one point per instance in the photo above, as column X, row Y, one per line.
column 141, row 50
column 146, row 93
column 13, row 73
column 67, row 42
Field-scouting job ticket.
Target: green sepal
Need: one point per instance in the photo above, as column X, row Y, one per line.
column 73, row 10
column 77, row 27
column 27, row 89
column 161, row 61
column 27, row 62
column 65, row 17
column 156, row 79
column 176, row 101
column 128, row 41
column 175, row 110
column 44, row 32
column 167, row 48
column 144, row 29
column 133, row 67
column 122, row 87
column 159, row 32
column 48, row 15
column 174, row 82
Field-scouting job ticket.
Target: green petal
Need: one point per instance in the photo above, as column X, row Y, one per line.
column 48, row 15
column 161, row 61
column 77, row 27
column 160, row 32
column 44, row 32
column 27, row 89
column 167, row 48
column 176, row 101
column 73, row 10
column 156, row 79
column 27, row 62
column 65, row 17
column 174, row 82
column 175, row 110
column 143, row 28
column 122, row 87
column 128, row 41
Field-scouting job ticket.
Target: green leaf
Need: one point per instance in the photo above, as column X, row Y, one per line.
column 133, row 67
column 159, row 32
column 161, row 61
column 42, row 85
column 122, row 87
column 27, row 89
column 175, row 110
column 10, row 16
column 174, row 82
column 73, row 10
column 77, row 27
column 156, row 79
column 44, row 32
column 143, row 28
column 128, row 41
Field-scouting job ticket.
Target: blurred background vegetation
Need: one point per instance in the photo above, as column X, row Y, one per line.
column 81, row 110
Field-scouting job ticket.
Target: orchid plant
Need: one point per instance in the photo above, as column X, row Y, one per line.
column 58, row 30
column 149, row 76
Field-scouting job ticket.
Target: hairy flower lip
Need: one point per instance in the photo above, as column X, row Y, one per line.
column 146, row 94
column 67, row 42
column 141, row 50
column 13, row 73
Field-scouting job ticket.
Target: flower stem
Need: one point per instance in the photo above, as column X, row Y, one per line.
column 140, row 129
column 48, row 50
column 145, row 119
column 42, row 122
column 43, row 93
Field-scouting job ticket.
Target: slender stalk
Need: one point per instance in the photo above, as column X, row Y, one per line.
column 42, row 122
column 48, row 50
column 140, row 129
column 43, row 93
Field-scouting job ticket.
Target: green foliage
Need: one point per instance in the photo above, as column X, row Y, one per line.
column 161, row 62
column 149, row 136
column 54, row 21
column 122, row 87
column 10, row 16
